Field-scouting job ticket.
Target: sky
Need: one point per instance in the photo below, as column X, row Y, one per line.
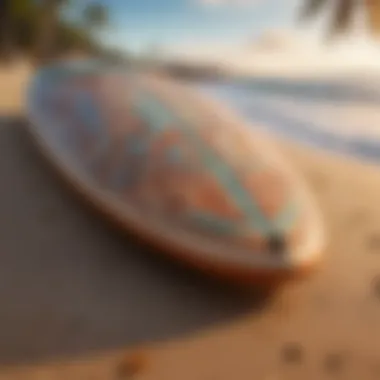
column 229, row 31
column 136, row 24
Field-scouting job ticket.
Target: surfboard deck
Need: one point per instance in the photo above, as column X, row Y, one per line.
column 178, row 170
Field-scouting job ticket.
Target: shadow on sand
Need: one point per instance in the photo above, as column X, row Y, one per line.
column 69, row 285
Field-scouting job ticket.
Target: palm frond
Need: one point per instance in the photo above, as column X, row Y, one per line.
column 311, row 8
column 343, row 17
column 372, row 8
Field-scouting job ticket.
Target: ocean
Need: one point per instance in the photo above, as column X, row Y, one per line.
column 339, row 115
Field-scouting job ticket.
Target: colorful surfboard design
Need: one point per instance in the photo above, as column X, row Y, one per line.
column 177, row 169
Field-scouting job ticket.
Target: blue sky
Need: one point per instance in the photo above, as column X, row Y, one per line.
column 138, row 23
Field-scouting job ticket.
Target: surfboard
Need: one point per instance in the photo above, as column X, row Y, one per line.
column 179, row 170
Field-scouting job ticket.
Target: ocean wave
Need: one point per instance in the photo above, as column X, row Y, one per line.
column 335, row 115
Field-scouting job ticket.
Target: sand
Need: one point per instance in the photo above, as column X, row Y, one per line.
column 79, row 301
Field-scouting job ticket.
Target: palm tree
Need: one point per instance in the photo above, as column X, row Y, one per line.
column 95, row 15
column 343, row 16
column 344, row 13
column 373, row 16
column 49, row 21
column 11, row 12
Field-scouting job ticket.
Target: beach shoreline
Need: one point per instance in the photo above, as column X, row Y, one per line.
column 334, row 312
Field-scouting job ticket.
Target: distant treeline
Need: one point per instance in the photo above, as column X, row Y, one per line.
column 38, row 29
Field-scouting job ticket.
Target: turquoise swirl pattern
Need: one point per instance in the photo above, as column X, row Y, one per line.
column 161, row 156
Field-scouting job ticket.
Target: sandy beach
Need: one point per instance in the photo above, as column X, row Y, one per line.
column 79, row 301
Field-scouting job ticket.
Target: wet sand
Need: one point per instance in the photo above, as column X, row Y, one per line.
column 77, row 293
